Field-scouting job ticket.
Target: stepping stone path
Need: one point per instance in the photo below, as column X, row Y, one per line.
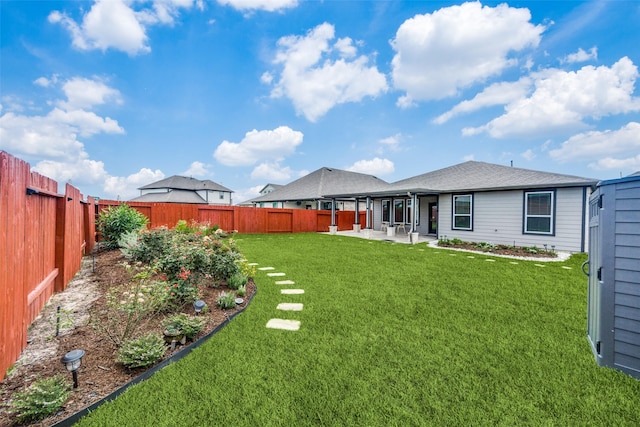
column 284, row 324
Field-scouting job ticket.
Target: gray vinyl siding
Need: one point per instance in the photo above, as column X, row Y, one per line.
column 498, row 218
column 626, row 275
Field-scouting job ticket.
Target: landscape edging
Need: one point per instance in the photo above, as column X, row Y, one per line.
column 73, row 418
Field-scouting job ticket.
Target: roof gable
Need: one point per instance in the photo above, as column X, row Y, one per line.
column 178, row 182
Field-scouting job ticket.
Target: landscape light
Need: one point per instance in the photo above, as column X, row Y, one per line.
column 199, row 305
column 72, row 361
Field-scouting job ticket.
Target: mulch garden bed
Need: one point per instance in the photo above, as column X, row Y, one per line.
column 99, row 374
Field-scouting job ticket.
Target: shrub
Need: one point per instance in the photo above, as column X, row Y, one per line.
column 141, row 352
column 151, row 245
column 237, row 280
column 242, row 291
column 226, row 300
column 190, row 326
column 45, row 397
column 115, row 221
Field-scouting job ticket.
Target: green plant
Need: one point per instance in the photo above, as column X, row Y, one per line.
column 236, row 280
column 131, row 304
column 43, row 398
column 242, row 291
column 141, row 352
column 190, row 326
column 226, row 300
column 114, row 221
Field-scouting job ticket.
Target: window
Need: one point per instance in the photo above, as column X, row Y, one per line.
column 398, row 211
column 221, row 195
column 463, row 212
column 385, row 211
column 538, row 212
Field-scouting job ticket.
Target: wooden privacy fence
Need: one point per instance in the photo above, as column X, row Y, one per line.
column 241, row 218
column 43, row 236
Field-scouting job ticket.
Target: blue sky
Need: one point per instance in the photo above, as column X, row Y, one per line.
column 115, row 94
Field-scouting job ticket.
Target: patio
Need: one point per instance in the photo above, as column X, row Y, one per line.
column 382, row 235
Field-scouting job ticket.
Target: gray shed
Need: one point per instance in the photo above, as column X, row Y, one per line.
column 613, row 313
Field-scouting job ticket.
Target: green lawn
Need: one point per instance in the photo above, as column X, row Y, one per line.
column 392, row 335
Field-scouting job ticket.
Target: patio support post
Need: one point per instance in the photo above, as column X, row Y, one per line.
column 357, row 220
column 368, row 217
column 333, row 212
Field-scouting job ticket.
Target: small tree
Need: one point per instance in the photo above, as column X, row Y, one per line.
column 116, row 220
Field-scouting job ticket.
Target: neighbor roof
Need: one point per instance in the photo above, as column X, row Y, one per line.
column 323, row 181
column 173, row 196
column 481, row 176
column 178, row 182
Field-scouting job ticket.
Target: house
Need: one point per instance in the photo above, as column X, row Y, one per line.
column 269, row 188
column 182, row 189
column 307, row 192
column 484, row 202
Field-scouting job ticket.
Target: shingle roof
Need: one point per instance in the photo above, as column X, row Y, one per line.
column 323, row 181
column 185, row 183
column 481, row 176
column 173, row 196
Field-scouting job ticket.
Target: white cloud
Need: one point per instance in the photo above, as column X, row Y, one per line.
column 629, row 164
column 495, row 94
column 375, row 166
column 561, row 100
column 528, row 155
column 437, row 54
column 391, row 143
column 127, row 187
column 259, row 145
column 198, row 169
column 314, row 81
column 468, row 157
column 271, row 172
column 595, row 144
column 115, row 24
column 86, row 93
column 581, row 56
column 267, row 5
column 45, row 82
column 53, row 137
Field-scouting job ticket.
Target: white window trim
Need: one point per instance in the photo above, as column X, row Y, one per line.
column 454, row 214
column 551, row 231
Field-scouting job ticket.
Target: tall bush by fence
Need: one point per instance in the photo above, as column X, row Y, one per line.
column 241, row 218
column 43, row 236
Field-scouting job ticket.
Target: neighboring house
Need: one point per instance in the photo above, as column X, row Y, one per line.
column 484, row 202
column 182, row 189
column 307, row 192
column 269, row 188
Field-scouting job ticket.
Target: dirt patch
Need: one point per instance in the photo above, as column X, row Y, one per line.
column 81, row 306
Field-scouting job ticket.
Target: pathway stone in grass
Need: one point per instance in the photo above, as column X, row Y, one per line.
column 275, row 274
column 266, row 268
column 490, row 260
column 292, row 291
column 285, row 282
column 539, row 265
column 470, row 256
column 566, row 267
column 513, row 262
column 287, row 325
column 290, row 306
column 252, row 263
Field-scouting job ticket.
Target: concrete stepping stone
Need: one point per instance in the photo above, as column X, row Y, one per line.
column 275, row 274
column 266, row 268
column 287, row 325
column 285, row 282
column 566, row 267
column 490, row 260
column 292, row 291
column 470, row 256
column 290, row 306
column 253, row 264
column 513, row 262
column 539, row 265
